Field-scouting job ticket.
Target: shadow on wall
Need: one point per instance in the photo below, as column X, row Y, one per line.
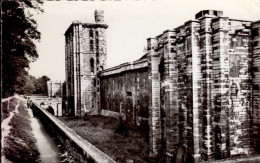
column 50, row 110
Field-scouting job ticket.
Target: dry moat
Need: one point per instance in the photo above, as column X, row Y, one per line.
column 117, row 139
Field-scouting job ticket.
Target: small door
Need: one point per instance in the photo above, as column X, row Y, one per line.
column 129, row 109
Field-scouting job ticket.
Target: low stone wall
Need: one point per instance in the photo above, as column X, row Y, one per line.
column 249, row 159
column 78, row 148
column 117, row 115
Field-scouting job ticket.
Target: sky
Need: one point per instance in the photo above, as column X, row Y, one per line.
column 130, row 23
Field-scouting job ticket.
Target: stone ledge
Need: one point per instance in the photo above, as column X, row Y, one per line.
column 253, row 159
column 125, row 67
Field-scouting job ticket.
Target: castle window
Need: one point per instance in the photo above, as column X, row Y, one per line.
column 97, row 41
column 161, row 69
column 92, row 65
column 206, row 12
column 128, row 93
column 202, row 42
column 234, row 89
column 90, row 33
column 96, row 33
column 255, row 32
column 94, row 82
column 91, row 46
column 215, row 13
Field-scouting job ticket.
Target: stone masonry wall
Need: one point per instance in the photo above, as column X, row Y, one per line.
column 240, row 100
column 205, row 50
column 170, row 87
column 207, row 64
column 69, row 64
column 220, row 87
column 256, row 84
column 125, row 92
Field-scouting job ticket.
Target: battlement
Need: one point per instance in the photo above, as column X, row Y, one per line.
column 213, row 13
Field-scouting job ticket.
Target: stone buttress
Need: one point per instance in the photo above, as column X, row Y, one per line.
column 256, row 85
column 202, row 73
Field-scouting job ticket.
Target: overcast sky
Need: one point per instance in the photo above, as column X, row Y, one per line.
column 130, row 24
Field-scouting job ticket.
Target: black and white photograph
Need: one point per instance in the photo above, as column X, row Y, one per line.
column 130, row 81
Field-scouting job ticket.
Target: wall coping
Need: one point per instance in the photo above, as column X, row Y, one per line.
column 139, row 64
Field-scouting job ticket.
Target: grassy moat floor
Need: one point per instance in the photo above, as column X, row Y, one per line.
column 18, row 142
column 112, row 137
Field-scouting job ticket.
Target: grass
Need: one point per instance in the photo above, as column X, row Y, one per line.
column 21, row 145
column 102, row 132
column 7, row 109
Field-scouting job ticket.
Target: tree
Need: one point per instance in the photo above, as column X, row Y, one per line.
column 35, row 86
column 29, row 87
column 41, row 85
column 19, row 30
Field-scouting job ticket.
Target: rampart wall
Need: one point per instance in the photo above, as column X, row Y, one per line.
column 124, row 91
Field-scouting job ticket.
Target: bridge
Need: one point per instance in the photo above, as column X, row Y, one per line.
column 53, row 105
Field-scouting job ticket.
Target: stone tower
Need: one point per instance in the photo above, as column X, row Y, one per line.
column 85, row 50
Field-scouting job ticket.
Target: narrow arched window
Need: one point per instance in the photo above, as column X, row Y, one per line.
column 96, row 33
column 90, row 33
column 161, row 69
column 94, row 82
column 97, row 44
column 91, row 46
column 92, row 65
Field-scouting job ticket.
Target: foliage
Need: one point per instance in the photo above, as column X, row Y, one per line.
column 29, row 87
column 19, row 30
column 41, row 85
column 21, row 144
column 122, row 127
column 35, row 86
column 7, row 107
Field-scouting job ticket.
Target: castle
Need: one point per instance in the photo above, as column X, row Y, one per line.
column 198, row 85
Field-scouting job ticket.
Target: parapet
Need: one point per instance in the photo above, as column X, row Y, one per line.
column 208, row 13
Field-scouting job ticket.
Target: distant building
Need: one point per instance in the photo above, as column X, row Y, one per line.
column 198, row 85
column 54, row 88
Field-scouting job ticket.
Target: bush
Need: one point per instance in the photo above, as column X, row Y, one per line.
column 122, row 127
column 144, row 125
column 85, row 117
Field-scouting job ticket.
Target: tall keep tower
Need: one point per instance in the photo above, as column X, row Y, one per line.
column 85, row 55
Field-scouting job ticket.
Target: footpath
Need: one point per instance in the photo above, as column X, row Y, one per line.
column 17, row 140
